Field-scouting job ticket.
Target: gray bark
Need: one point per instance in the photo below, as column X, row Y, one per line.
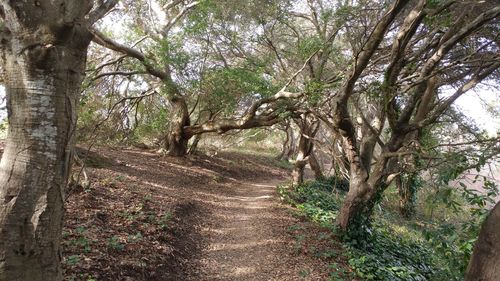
column 308, row 129
column 484, row 265
column 43, row 53
column 315, row 166
column 177, row 141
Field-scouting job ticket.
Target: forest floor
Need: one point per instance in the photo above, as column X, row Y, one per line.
column 146, row 216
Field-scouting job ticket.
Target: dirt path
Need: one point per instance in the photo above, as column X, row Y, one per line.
column 249, row 237
column 150, row 217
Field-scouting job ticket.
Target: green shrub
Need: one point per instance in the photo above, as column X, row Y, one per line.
column 391, row 249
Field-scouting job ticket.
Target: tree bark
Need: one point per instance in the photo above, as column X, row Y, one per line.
column 364, row 192
column 484, row 265
column 43, row 70
column 315, row 166
column 406, row 195
column 308, row 129
column 286, row 145
column 298, row 170
column 194, row 146
column 177, row 140
column 301, row 160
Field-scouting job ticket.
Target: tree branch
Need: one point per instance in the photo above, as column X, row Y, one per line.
column 99, row 12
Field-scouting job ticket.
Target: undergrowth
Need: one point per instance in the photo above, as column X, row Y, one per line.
column 393, row 248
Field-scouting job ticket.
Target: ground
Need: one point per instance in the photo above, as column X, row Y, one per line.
column 146, row 216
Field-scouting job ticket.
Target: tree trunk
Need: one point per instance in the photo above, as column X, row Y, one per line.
column 406, row 195
column 292, row 148
column 315, row 166
column 364, row 193
column 288, row 145
column 301, row 161
column 194, row 146
column 43, row 73
column 177, row 141
column 298, row 170
column 484, row 265
column 355, row 207
column 308, row 129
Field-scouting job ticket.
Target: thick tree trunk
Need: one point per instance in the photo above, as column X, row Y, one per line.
column 308, row 129
column 355, row 207
column 177, row 140
column 484, row 265
column 42, row 80
column 364, row 193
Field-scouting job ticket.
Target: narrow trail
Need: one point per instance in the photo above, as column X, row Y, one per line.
column 248, row 237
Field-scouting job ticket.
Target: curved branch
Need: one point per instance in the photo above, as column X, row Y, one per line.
column 99, row 12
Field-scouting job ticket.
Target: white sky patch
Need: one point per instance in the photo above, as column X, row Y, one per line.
column 471, row 104
column 157, row 10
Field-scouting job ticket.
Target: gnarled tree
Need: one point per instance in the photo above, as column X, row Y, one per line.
column 43, row 54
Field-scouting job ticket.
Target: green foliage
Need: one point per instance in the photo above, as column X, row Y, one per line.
column 224, row 88
column 309, row 45
column 154, row 122
column 164, row 220
column 444, row 19
column 198, row 20
column 81, row 240
column 284, row 164
column 411, row 183
column 171, row 52
column 374, row 89
column 456, row 163
column 318, row 199
column 134, row 238
column 314, row 91
column 455, row 241
column 387, row 256
column 114, row 243
column 72, row 260
column 396, row 249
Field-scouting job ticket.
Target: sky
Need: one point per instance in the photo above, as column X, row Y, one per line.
column 471, row 103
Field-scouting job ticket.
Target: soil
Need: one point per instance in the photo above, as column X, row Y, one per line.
column 146, row 216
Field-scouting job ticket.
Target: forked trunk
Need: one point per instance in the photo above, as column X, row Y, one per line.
column 364, row 193
column 484, row 263
column 42, row 82
column 177, row 141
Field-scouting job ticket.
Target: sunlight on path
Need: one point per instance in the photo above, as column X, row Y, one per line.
column 246, row 237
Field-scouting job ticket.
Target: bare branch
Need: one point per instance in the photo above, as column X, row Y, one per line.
column 109, row 43
column 99, row 12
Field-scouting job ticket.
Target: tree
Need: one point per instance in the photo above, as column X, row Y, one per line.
column 483, row 264
column 397, row 61
column 44, row 45
column 407, row 115
column 308, row 127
